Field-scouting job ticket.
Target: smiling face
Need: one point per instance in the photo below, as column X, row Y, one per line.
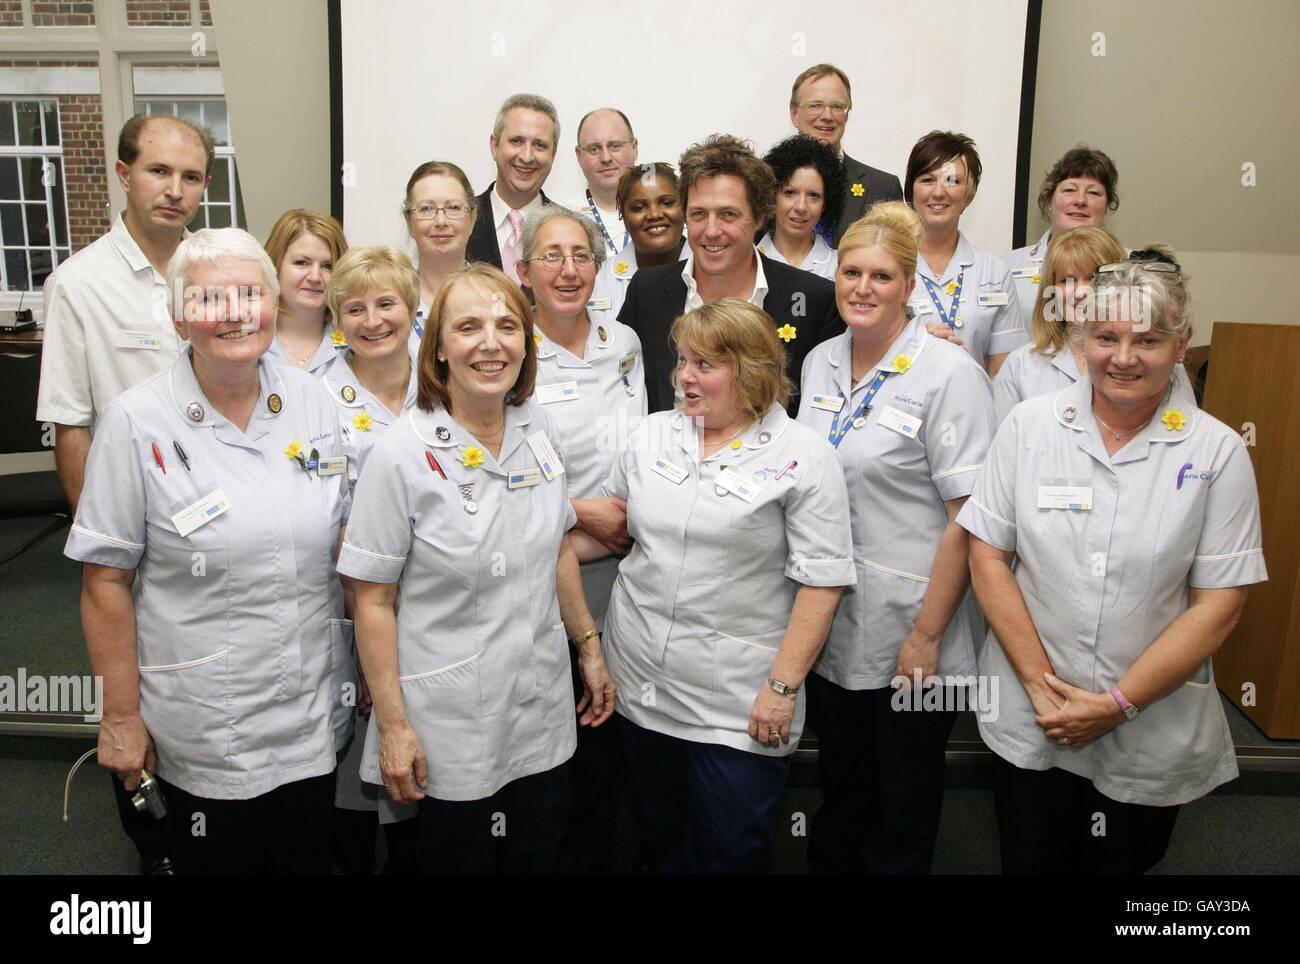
column 523, row 153
column 799, row 204
column 871, row 292
column 1078, row 201
column 482, row 343
column 604, row 167
column 304, row 272
column 939, row 196
column 441, row 235
column 707, row 389
column 561, row 293
column 720, row 226
column 825, row 124
column 653, row 216
column 376, row 324
column 1130, row 367
column 228, row 315
column 165, row 184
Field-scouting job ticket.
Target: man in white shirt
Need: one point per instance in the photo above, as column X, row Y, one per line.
column 106, row 321
column 606, row 148
column 523, row 143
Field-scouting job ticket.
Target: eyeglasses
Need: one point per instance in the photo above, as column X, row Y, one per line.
column 1160, row 267
column 427, row 212
column 554, row 261
column 612, row 146
column 814, row 107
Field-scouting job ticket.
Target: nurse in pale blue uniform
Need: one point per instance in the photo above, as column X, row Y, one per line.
column 809, row 195
column 372, row 293
column 1053, row 359
column 439, row 210
column 1133, row 521
column 740, row 521
column 1077, row 192
column 214, row 499
column 961, row 292
column 466, row 587
column 652, row 212
column 911, row 418
column 304, row 245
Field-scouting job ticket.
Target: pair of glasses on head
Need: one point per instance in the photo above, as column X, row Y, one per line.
column 1152, row 261
column 454, row 211
column 553, row 260
column 612, row 146
column 814, row 107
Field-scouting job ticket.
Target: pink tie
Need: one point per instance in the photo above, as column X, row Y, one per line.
column 511, row 255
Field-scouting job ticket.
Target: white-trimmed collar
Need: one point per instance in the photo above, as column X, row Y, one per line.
column 961, row 259
column 911, row 341
column 1175, row 419
column 693, row 299
column 759, row 434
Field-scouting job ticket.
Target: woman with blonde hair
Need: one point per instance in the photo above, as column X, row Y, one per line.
column 304, row 246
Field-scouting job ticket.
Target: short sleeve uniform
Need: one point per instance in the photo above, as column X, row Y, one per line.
column 239, row 621
column 985, row 319
column 1026, row 267
column 108, row 327
column 331, row 343
column 363, row 417
column 611, row 281
column 704, row 598
column 482, row 655
column 596, row 402
column 922, row 442
column 822, row 260
column 1173, row 509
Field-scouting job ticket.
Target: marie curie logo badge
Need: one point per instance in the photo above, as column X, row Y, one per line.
column 1189, row 474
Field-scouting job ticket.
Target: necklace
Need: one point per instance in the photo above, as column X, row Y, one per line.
column 735, row 435
column 1119, row 435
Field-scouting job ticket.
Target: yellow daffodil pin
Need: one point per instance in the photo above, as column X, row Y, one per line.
column 362, row 421
column 787, row 332
column 1036, row 279
column 902, row 363
column 735, row 444
column 858, row 190
column 1174, row 419
column 620, row 269
column 340, row 341
column 293, row 450
column 951, row 288
column 472, row 457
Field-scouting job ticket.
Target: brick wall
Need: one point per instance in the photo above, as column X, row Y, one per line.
column 205, row 14
column 84, row 173
column 60, row 13
column 157, row 13
column 11, row 13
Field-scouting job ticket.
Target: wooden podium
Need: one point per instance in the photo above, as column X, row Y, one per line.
column 1254, row 380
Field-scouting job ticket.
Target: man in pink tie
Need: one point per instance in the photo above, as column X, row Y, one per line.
column 523, row 146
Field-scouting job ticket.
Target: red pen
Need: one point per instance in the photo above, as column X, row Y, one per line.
column 157, row 457
column 433, row 464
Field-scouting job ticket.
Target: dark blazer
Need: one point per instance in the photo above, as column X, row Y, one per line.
column 483, row 239
column 656, row 296
column 877, row 186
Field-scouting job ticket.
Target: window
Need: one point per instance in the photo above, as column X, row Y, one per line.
column 33, row 209
column 222, row 205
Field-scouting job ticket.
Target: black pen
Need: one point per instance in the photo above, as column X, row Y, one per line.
column 181, row 452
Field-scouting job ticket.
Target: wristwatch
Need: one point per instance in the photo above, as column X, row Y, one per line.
column 1128, row 709
column 779, row 687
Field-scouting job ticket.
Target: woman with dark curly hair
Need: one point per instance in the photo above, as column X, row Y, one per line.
column 810, row 192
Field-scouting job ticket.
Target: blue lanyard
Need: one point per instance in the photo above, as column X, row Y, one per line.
column 837, row 431
column 415, row 323
column 950, row 317
column 600, row 223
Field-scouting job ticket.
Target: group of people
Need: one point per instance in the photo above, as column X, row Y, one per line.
column 619, row 493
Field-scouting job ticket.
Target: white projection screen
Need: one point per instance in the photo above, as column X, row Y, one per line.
column 422, row 80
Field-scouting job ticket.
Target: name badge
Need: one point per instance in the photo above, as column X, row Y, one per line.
column 601, row 304
column 994, row 299
column 200, row 513
column 139, row 340
column 735, row 483
column 922, row 308
column 1077, row 497
column 1023, row 273
column 900, row 422
column 674, row 474
column 334, row 465
column 626, row 364
column 828, row 403
column 524, row 478
column 547, row 458
column 557, row 392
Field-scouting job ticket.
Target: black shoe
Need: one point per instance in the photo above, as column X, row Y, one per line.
column 157, row 867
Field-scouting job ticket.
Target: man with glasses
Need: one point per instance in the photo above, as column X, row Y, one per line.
column 606, row 148
column 523, row 143
column 820, row 101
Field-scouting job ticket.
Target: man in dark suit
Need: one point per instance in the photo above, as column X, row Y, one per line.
column 727, row 194
column 820, row 101
column 523, row 146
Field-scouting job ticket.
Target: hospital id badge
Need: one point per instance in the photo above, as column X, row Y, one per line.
column 1062, row 494
column 828, row 403
column 200, row 513
column 547, row 458
column 732, row 481
column 333, row 465
column 557, row 392
column 994, row 299
column 139, row 340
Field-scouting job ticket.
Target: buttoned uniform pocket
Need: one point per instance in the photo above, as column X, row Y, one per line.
column 188, row 709
column 445, row 708
column 344, row 681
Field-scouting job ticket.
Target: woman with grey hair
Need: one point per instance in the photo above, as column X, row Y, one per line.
column 1120, row 488
column 214, row 503
column 591, row 380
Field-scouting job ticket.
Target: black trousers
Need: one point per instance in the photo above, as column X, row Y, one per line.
column 1056, row 822
column 882, row 780
column 285, row 831
column 599, row 775
column 517, row 830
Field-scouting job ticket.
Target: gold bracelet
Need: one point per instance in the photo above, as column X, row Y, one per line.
column 578, row 641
